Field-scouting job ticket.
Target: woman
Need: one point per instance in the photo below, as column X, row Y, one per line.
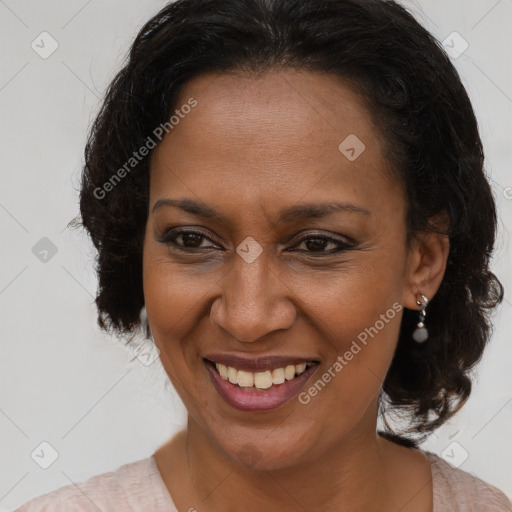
column 288, row 196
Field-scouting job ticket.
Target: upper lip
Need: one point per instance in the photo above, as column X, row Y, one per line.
column 257, row 364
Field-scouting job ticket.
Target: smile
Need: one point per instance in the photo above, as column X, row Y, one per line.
column 261, row 380
column 259, row 390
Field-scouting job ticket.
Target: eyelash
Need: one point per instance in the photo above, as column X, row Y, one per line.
column 170, row 237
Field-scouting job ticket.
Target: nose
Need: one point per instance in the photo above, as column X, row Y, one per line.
column 254, row 301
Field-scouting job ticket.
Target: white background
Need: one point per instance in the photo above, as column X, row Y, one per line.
column 64, row 382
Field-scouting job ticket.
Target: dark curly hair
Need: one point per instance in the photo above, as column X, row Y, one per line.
column 431, row 139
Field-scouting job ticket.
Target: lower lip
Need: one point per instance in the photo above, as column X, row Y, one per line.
column 261, row 400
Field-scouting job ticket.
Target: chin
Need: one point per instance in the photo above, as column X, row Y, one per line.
column 266, row 450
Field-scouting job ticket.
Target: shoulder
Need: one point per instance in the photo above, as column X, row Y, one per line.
column 462, row 491
column 132, row 487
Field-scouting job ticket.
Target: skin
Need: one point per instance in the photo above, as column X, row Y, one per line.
column 253, row 146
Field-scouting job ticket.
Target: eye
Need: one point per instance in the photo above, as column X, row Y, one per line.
column 185, row 239
column 193, row 240
column 322, row 245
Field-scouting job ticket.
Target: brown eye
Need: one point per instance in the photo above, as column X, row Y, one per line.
column 322, row 245
column 186, row 240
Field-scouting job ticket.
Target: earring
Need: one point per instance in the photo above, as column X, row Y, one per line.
column 420, row 334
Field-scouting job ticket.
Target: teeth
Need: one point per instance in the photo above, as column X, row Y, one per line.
column 223, row 370
column 232, row 375
column 278, row 376
column 245, row 379
column 289, row 372
column 300, row 368
column 261, row 380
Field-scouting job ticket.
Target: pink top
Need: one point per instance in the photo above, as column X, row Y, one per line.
column 138, row 487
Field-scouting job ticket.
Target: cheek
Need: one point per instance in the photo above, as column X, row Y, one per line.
column 172, row 292
column 358, row 314
column 172, row 297
column 345, row 302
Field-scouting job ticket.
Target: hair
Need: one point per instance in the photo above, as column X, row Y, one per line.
column 430, row 135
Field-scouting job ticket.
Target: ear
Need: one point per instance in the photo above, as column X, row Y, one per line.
column 426, row 262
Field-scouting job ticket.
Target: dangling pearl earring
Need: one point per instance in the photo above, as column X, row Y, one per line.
column 420, row 334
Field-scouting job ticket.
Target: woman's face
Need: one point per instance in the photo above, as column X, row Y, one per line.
column 270, row 268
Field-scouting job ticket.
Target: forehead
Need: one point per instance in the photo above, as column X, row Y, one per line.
column 282, row 134
column 297, row 106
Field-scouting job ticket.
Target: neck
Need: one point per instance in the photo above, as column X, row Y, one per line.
column 346, row 478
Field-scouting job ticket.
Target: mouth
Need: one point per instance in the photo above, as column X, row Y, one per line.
column 259, row 385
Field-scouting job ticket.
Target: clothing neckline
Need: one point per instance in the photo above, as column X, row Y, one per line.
column 166, row 502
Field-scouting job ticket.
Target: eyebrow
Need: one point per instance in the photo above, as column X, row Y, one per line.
column 291, row 214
